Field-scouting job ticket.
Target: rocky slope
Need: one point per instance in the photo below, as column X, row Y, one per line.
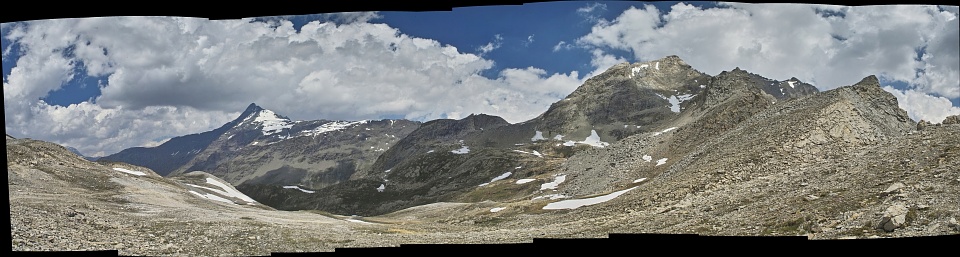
column 727, row 155
column 443, row 159
column 59, row 201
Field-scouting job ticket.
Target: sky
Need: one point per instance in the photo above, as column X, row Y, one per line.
column 104, row 84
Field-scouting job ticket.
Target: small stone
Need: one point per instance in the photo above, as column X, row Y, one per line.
column 895, row 187
column 811, row 197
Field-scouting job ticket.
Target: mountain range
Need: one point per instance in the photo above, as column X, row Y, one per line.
column 654, row 146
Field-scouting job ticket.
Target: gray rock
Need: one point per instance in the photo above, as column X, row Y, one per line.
column 952, row 119
column 894, row 188
column 894, row 217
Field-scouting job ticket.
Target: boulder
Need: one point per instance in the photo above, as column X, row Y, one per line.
column 952, row 119
column 894, row 217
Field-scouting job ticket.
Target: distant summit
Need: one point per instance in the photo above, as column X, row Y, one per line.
column 177, row 151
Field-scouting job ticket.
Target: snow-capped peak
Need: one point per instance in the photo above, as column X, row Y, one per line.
column 270, row 121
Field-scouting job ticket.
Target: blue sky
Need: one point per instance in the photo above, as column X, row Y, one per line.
column 104, row 84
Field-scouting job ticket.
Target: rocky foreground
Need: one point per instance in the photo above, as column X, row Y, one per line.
column 61, row 202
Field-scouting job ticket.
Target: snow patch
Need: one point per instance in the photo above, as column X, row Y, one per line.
column 551, row 197
column 674, row 104
column 594, row 140
column 639, row 180
column 333, row 126
column 558, row 137
column 533, row 153
column 790, row 83
column 133, row 172
column 577, row 203
column 703, row 86
column 647, row 158
column 556, row 182
column 301, row 189
column 462, row 150
column 230, row 191
column 664, row 131
column 430, row 151
column 524, row 181
column 213, row 197
column 658, row 66
column 661, row 161
column 357, row 221
column 502, row 176
column 677, row 99
column 381, row 188
column 497, row 209
column 538, row 136
column 271, row 122
column 635, row 70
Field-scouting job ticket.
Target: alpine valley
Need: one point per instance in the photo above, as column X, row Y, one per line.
column 650, row 147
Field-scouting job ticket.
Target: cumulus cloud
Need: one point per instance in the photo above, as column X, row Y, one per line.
column 921, row 106
column 827, row 46
column 339, row 18
column 168, row 76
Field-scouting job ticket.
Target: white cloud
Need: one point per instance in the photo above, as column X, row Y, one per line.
column 173, row 76
column 339, row 18
column 497, row 42
column 562, row 45
column 529, row 41
column 602, row 61
column 921, row 106
column 793, row 40
column 589, row 12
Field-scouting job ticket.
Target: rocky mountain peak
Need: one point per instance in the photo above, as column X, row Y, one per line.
column 484, row 120
column 869, row 89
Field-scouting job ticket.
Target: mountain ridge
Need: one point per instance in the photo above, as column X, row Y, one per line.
column 729, row 154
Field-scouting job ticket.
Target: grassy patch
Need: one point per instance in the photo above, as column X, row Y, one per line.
column 791, row 226
column 401, row 231
column 498, row 192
